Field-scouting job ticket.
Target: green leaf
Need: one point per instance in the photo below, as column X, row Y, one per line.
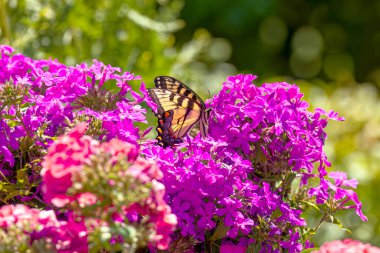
column 8, row 116
column 312, row 205
column 220, row 231
column 336, row 221
column 16, row 193
column 22, row 176
column 6, row 187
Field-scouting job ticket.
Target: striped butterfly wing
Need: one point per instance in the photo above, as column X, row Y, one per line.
column 179, row 108
column 176, row 116
column 176, row 86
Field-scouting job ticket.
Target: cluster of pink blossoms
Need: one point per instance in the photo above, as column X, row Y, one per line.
column 73, row 154
column 347, row 246
column 62, row 236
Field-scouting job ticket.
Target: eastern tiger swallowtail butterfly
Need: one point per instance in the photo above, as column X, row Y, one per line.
column 179, row 108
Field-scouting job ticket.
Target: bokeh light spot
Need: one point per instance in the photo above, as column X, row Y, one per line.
column 220, row 49
column 273, row 32
column 308, row 43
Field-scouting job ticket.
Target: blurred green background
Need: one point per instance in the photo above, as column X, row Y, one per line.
column 331, row 49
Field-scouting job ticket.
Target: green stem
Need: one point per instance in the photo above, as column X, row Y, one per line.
column 4, row 22
column 5, row 178
column 317, row 226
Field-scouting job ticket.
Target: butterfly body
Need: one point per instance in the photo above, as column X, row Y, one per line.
column 179, row 108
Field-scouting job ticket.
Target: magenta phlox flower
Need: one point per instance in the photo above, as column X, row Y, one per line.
column 18, row 65
column 7, row 155
column 102, row 72
column 8, row 141
column 123, row 83
column 241, row 224
column 132, row 112
column 6, row 50
column 229, row 209
column 43, row 78
column 320, row 192
column 330, row 115
column 24, row 80
column 228, row 247
column 268, row 199
column 280, row 121
column 291, row 215
column 125, row 130
column 292, row 245
column 206, row 212
column 341, row 180
column 187, row 224
column 343, row 194
column 147, row 98
column 339, row 191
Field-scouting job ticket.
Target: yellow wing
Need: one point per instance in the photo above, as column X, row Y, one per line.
column 181, row 111
column 179, row 108
column 176, row 86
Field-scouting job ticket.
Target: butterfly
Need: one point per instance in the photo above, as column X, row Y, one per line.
column 179, row 108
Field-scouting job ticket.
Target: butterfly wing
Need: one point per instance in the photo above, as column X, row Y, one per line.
column 176, row 115
column 179, row 108
column 164, row 137
column 176, row 86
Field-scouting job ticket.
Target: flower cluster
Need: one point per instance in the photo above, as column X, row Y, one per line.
column 347, row 246
column 40, row 99
column 64, row 159
column 240, row 183
column 108, row 183
column 270, row 125
column 337, row 193
column 209, row 189
column 22, row 227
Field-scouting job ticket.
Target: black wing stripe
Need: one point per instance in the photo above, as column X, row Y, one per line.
column 180, row 101
column 187, row 93
column 190, row 104
column 172, row 96
column 176, row 86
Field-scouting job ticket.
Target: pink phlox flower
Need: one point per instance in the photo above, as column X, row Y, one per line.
column 347, row 246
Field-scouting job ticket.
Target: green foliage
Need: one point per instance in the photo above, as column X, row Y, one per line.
column 305, row 39
column 137, row 36
column 17, row 183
